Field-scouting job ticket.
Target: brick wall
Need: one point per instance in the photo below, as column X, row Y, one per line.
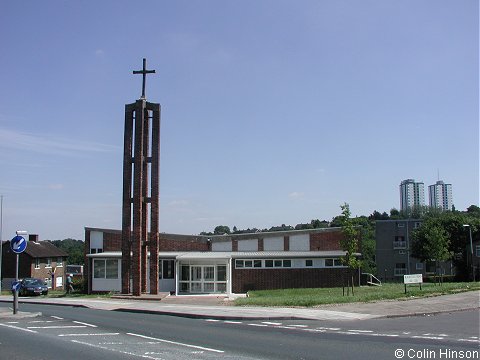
column 244, row 280
column 326, row 241
column 112, row 241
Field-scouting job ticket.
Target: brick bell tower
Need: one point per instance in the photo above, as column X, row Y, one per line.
column 140, row 212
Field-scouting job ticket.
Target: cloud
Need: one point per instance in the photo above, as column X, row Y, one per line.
column 296, row 195
column 47, row 144
column 55, row 186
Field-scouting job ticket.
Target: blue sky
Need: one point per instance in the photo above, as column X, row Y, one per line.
column 272, row 111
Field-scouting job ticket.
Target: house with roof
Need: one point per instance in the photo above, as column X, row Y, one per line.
column 41, row 259
column 224, row 264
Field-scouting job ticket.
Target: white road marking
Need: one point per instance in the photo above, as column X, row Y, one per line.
column 18, row 328
column 56, row 317
column 41, row 321
column 271, row 323
column 86, row 324
column 212, row 320
column 98, row 334
column 259, row 325
column 113, row 350
column 361, row 331
column 12, row 322
column 176, row 343
column 469, row 340
column 57, row 327
column 232, row 322
column 427, row 337
column 299, row 326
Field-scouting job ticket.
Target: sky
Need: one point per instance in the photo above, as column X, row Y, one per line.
column 273, row 112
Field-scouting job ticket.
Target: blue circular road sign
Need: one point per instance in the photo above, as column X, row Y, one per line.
column 18, row 244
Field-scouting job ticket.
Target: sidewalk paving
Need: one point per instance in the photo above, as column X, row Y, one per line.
column 218, row 307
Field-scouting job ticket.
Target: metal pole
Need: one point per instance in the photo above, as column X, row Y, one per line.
column 1, row 241
column 15, row 293
column 471, row 252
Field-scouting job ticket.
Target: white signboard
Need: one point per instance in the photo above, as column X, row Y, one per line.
column 413, row 279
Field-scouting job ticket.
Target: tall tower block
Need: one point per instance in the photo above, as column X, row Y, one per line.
column 140, row 211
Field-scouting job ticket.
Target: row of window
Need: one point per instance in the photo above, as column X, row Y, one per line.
column 283, row 263
column 48, row 262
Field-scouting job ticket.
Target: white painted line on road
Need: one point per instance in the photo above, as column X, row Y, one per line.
column 428, row 337
column 56, row 317
column 57, row 327
column 212, row 320
column 271, row 323
column 176, row 343
column 41, row 321
column 383, row 335
column 299, row 326
column 361, row 331
column 18, row 328
column 470, row 340
column 86, row 324
column 113, row 350
column 329, row 328
column 259, row 325
column 232, row 322
column 99, row 334
column 12, row 322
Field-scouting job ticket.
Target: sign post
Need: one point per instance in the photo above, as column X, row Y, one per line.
column 18, row 245
column 412, row 279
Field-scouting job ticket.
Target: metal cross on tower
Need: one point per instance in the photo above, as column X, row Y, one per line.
column 144, row 72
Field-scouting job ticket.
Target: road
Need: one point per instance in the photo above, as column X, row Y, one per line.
column 80, row 333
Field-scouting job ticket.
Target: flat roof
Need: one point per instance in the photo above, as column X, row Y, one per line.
column 190, row 255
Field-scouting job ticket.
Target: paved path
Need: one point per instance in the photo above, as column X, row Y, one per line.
column 216, row 307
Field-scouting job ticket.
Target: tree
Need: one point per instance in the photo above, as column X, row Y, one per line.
column 431, row 242
column 221, row 230
column 74, row 248
column 349, row 243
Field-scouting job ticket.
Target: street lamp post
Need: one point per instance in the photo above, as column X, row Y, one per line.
column 471, row 249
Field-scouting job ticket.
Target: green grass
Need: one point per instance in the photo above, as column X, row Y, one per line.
column 322, row 296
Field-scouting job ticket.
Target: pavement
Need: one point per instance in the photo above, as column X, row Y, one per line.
column 222, row 308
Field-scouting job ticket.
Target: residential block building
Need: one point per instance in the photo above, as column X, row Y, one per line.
column 440, row 196
column 412, row 194
column 393, row 257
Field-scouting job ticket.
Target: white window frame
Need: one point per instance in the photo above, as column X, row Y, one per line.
column 477, row 250
column 59, row 261
column 48, row 264
column 37, row 263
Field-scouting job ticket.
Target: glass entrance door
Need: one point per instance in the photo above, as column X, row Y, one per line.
column 203, row 278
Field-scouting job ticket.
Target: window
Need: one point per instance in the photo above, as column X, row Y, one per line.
column 59, row 262
column 257, row 263
column 99, row 269
column 287, row 263
column 239, row 264
column 111, row 269
column 333, row 262
column 49, row 263
column 166, row 269
column 105, row 269
column 417, row 225
column 419, row 266
column 400, row 269
column 400, row 225
column 277, row 263
column 308, row 262
column 269, row 263
column 399, row 242
column 477, row 251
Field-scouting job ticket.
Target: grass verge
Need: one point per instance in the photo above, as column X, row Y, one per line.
column 322, row 296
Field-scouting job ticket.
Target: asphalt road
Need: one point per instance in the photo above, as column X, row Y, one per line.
column 78, row 333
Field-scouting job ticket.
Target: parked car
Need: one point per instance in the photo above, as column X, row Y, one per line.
column 32, row 286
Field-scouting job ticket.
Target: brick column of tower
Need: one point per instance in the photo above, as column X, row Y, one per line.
column 140, row 212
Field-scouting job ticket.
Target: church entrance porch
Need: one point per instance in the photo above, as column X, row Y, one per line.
column 202, row 278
